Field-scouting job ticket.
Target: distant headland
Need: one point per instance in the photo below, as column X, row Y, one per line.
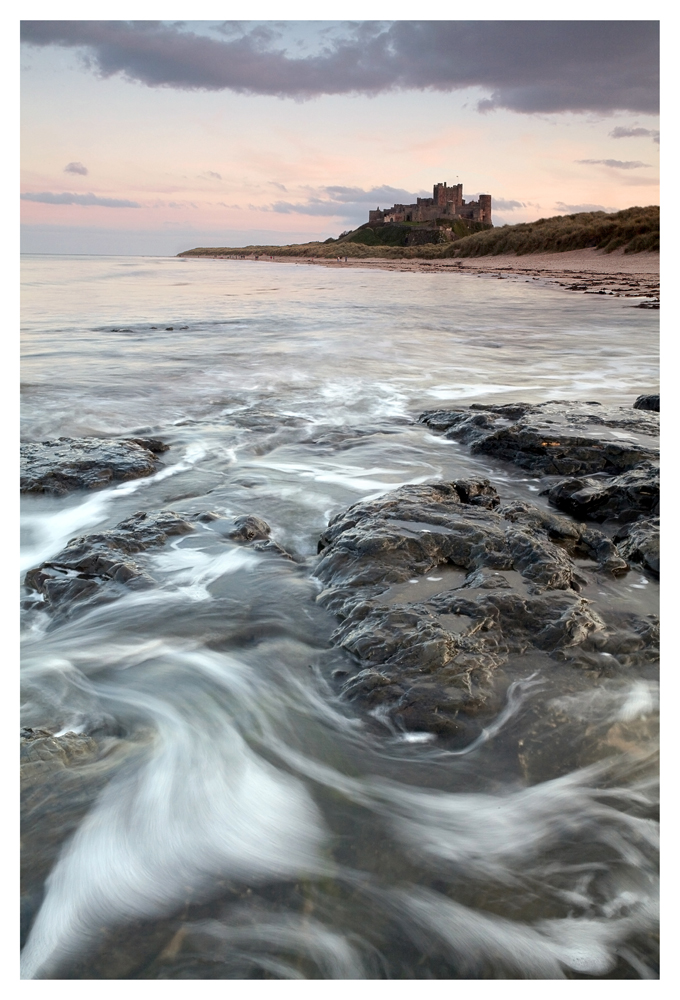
column 632, row 230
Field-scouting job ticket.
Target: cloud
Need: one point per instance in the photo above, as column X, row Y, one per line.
column 350, row 203
column 621, row 132
column 211, row 173
column 75, row 168
column 353, row 203
column 573, row 209
column 618, row 164
column 525, row 66
column 67, row 198
column 502, row 204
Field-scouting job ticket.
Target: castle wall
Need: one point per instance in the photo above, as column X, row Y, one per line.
column 446, row 202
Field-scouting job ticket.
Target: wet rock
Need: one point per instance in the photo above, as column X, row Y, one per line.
column 554, row 438
column 42, row 750
column 640, row 542
column 650, row 402
column 488, row 583
column 67, row 464
column 601, row 498
column 249, row 528
column 629, row 501
column 100, row 564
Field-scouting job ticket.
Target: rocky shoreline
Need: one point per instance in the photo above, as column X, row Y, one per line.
column 444, row 593
column 436, row 587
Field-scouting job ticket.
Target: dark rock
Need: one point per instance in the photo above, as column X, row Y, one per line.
column 249, row 528
column 554, row 438
column 67, row 464
column 600, row 498
column 100, row 564
column 40, row 748
column 430, row 648
column 640, row 543
column 647, row 403
column 100, row 567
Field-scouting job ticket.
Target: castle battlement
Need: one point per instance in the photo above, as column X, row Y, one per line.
column 445, row 203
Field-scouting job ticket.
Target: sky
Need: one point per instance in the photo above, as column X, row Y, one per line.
column 152, row 137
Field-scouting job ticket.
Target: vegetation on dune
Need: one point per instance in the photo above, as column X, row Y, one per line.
column 402, row 234
column 633, row 230
column 323, row 251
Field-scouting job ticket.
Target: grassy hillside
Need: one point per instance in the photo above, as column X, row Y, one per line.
column 327, row 251
column 406, row 233
column 633, row 229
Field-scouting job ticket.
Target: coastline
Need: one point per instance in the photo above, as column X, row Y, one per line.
column 589, row 271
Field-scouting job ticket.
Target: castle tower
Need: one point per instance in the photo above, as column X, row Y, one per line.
column 440, row 193
column 485, row 208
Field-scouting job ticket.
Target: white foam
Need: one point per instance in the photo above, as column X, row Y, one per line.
column 192, row 570
column 475, row 939
column 331, row 952
column 203, row 806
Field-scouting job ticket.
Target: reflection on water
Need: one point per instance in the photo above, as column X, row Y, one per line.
column 235, row 819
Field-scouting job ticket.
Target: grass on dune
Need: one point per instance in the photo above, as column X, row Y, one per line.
column 633, row 230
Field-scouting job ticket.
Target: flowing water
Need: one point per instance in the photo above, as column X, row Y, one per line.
column 242, row 821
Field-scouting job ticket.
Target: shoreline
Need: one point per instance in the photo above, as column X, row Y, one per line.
column 589, row 271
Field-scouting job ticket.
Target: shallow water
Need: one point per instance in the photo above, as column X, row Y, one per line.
column 244, row 822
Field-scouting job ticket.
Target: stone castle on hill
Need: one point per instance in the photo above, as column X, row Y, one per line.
column 445, row 203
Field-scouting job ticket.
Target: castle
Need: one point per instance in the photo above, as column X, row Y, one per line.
column 445, row 203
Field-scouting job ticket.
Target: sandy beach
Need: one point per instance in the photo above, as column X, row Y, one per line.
column 588, row 271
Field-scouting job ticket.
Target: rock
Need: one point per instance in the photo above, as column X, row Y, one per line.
column 249, row 528
column 554, row 438
column 99, row 565
column 647, row 403
column 67, row 464
column 437, row 587
column 601, row 498
column 640, row 543
column 42, row 750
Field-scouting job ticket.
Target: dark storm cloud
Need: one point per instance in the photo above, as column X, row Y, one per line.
column 621, row 132
column 75, row 168
column 66, row 198
column 526, row 66
column 617, row 164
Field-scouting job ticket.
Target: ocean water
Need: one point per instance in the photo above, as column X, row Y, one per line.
column 244, row 821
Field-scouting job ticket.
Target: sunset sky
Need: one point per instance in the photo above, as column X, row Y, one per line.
column 157, row 136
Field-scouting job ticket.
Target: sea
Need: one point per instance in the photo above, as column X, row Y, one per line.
column 243, row 821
